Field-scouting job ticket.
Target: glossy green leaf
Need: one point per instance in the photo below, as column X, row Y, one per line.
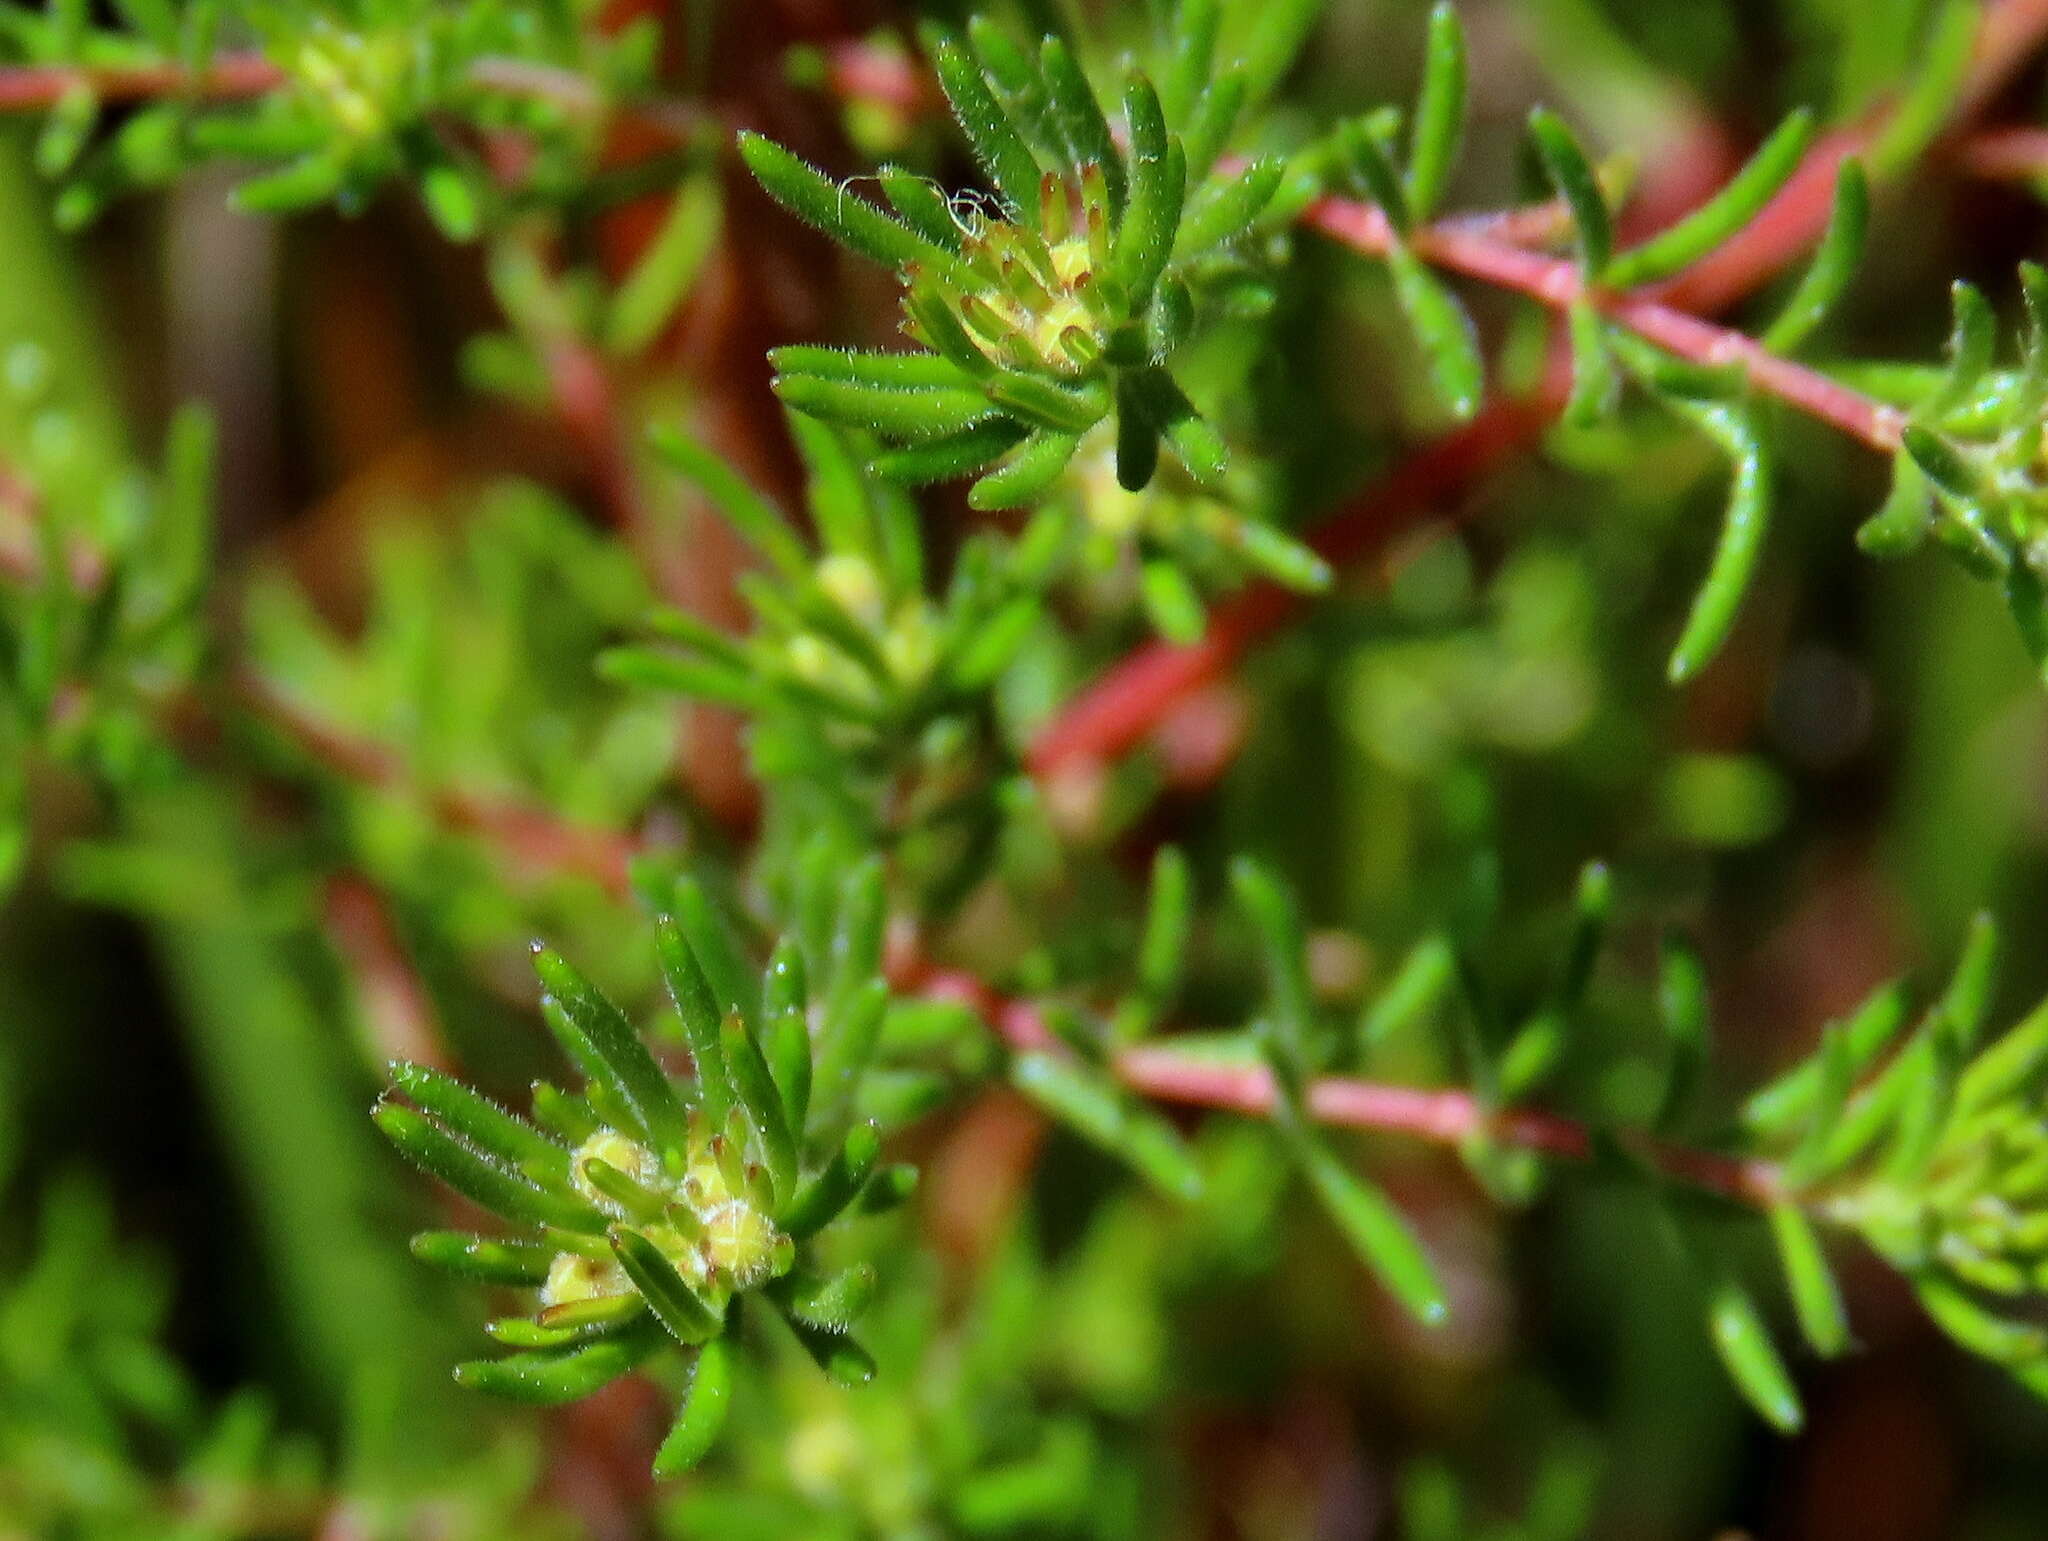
column 835, row 1186
column 1437, row 134
column 697, row 1007
column 1221, row 210
column 752, row 517
column 1424, row 979
column 621, row 1058
column 1171, row 601
column 479, row 1120
column 1743, row 527
column 1812, row 1282
column 1028, row 474
column 994, row 137
column 701, row 1418
column 1283, row 947
column 1077, row 112
column 1751, row 1358
column 1572, row 175
column 1834, row 264
column 849, row 219
column 551, row 1377
column 674, row 1304
column 1444, row 331
column 1720, row 217
column 1596, row 386
column 1158, row 183
column 917, row 414
column 833, row 1302
column 647, row 300
column 1378, row 1232
column 944, row 459
column 1088, row 1102
column 476, row 1176
column 1901, row 526
column 486, row 1259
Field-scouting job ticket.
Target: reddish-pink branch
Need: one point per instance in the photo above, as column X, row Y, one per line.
column 238, row 76
column 231, row 77
column 1121, row 709
column 2007, row 154
column 1444, row 1117
column 1556, row 282
column 532, row 837
column 1114, row 715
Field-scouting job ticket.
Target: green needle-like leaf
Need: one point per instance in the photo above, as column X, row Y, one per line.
column 1377, row 1231
column 1721, row 216
column 1169, row 914
column 1791, row 1098
column 628, row 1068
column 476, row 1176
column 1031, row 470
column 1087, row 1102
column 1742, row 536
column 820, row 1200
column 704, row 927
column 1834, row 263
column 1424, row 980
column 762, row 1099
column 1223, row 209
column 844, row 1361
column 1814, row 1295
column 1596, row 386
column 947, row 458
column 697, row 1007
column 701, row 1418
column 1283, row 946
column 674, row 1304
column 832, row 1303
column 919, row 413
column 996, row 142
column 551, row 1377
column 1443, row 329
column 479, row 1120
column 1572, row 175
column 849, row 219
column 1158, row 177
column 1902, row 525
column 1369, row 146
column 1751, row 1359
column 1972, row 344
column 1171, row 601
column 486, row 1259
column 1077, row 112
column 1437, row 135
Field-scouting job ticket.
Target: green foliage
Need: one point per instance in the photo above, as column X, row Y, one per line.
column 650, row 1210
column 1052, row 314
column 898, row 828
column 341, row 99
column 104, row 1434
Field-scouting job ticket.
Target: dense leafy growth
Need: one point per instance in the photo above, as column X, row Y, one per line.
column 983, row 973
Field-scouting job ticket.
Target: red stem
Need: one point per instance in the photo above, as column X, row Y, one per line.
column 1443, row 1117
column 2009, row 154
column 1114, row 715
column 1556, row 282
column 532, row 836
column 1120, row 710
column 231, row 77
column 239, row 76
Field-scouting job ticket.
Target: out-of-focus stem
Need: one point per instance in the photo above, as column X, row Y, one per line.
column 1447, row 1116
